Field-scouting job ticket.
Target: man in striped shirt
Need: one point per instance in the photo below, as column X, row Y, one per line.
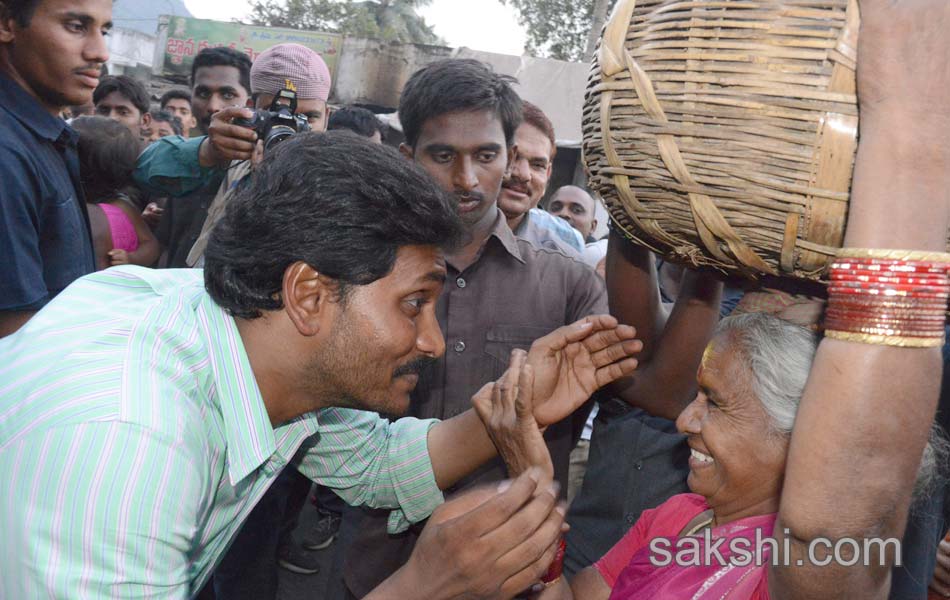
column 144, row 413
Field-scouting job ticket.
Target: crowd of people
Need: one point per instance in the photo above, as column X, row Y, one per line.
column 223, row 303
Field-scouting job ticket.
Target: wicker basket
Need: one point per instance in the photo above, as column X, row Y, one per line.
column 723, row 133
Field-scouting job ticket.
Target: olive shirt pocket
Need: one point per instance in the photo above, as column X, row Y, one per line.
column 500, row 340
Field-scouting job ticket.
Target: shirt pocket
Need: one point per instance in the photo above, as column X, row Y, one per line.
column 502, row 339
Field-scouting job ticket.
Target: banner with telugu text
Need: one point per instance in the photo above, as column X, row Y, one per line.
column 184, row 37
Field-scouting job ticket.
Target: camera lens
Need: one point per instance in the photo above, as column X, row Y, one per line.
column 276, row 135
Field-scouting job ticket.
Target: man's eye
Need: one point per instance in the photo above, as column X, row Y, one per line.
column 539, row 166
column 228, row 96
column 442, row 157
column 487, row 156
column 75, row 27
column 415, row 304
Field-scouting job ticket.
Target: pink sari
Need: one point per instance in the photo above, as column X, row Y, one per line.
column 627, row 568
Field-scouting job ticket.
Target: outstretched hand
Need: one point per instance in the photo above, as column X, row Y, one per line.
column 574, row 361
column 506, row 408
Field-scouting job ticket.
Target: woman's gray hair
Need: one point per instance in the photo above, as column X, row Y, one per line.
column 779, row 356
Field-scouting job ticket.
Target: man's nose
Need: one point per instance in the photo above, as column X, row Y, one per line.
column 520, row 170
column 216, row 104
column 464, row 177
column 429, row 340
column 96, row 50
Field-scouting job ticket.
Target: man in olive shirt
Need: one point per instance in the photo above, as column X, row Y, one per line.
column 501, row 292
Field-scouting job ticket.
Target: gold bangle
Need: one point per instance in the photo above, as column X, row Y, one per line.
column 915, row 255
column 885, row 340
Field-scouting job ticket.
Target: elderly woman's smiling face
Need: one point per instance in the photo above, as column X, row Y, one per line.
column 737, row 462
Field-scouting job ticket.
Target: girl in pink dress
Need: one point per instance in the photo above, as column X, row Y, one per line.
column 107, row 155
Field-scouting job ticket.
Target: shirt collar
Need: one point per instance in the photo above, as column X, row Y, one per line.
column 505, row 236
column 30, row 113
column 247, row 428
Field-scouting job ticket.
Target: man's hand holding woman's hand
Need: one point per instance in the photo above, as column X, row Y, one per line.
column 490, row 543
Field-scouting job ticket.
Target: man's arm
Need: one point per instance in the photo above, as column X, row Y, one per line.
column 665, row 380
column 175, row 166
column 866, row 412
column 22, row 287
column 170, row 167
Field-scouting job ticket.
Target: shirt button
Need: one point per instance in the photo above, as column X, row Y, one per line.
column 460, row 346
column 629, row 518
column 638, row 466
column 460, row 282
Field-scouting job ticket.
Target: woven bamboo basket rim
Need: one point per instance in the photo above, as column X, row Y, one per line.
column 751, row 79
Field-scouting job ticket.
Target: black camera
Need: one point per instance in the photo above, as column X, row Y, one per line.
column 279, row 123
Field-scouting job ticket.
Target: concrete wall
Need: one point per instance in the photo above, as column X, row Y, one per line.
column 129, row 48
column 373, row 72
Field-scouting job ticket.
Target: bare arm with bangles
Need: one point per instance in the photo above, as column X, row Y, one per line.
column 871, row 401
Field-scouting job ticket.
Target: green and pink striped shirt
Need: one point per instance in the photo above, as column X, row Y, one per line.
column 134, row 442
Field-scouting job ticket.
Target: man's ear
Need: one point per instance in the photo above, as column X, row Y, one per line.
column 309, row 298
column 593, row 226
column 7, row 26
column 406, row 151
column 146, row 119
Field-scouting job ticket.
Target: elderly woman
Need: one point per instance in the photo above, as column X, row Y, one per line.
column 703, row 544
column 750, row 382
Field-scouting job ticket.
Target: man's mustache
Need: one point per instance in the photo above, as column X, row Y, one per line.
column 415, row 366
column 515, row 184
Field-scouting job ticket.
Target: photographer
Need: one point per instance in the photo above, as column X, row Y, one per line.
column 283, row 67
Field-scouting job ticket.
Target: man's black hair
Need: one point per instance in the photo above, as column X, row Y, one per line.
column 175, row 94
column 356, row 119
column 20, row 11
column 163, row 116
column 457, row 84
column 131, row 88
column 224, row 57
column 333, row 201
column 107, row 154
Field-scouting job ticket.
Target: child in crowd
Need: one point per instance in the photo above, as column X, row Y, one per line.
column 162, row 123
column 107, row 155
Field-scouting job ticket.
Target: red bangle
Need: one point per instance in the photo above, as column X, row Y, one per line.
column 887, row 278
column 557, row 565
column 890, row 297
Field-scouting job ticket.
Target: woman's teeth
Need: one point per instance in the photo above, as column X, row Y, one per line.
column 705, row 458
